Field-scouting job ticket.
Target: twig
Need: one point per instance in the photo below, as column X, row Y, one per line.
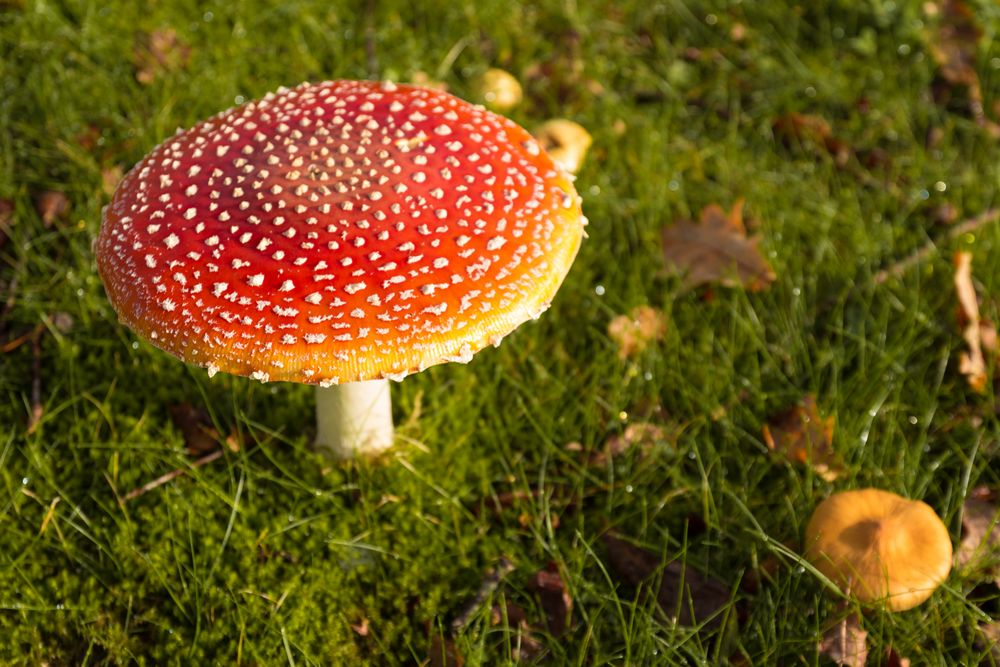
column 173, row 474
column 922, row 253
column 36, row 381
column 12, row 345
column 490, row 583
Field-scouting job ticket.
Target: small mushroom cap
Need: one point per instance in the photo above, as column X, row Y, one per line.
column 340, row 231
column 499, row 89
column 567, row 142
column 879, row 547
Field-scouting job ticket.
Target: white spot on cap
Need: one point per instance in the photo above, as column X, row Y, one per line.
column 256, row 280
column 171, row 241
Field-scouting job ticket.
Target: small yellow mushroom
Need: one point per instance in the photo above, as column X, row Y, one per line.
column 499, row 90
column 879, row 547
column 565, row 141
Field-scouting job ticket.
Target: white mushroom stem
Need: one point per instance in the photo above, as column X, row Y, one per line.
column 354, row 419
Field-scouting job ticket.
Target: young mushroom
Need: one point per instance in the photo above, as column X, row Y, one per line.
column 339, row 234
column 879, row 547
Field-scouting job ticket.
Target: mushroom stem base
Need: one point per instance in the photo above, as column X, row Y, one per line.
column 354, row 419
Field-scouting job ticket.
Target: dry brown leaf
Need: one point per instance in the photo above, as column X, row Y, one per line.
column 513, row 614
column 989, row 638
column 548, row 585
column 200, row 436
column 157, row 52
column 954, row 44
column 796, row 129
column 642, row 436
column 804, row 437
column 361, row 628
column 716, row 249
column 846, row 643
column 894, row 659
column 444, row 653
column 979, row 547
column 635, row 331
column 971, row 363
column 686, row 595
column 50, row 206
column 525, row 646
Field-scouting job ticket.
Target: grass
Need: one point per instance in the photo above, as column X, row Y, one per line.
column 269, row 555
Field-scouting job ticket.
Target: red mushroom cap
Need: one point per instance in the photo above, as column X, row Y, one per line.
column 340, row 231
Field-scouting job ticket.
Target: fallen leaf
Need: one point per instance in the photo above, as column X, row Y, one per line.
column 50, row 206
column 200, row 436
column 361, row 628
column 444, row 653
column 954, row 45
column 846, row 643
column 634, row 332
column 979, row 547
column 526, row 646
column 687, row 596
column 157, row 52
column 802, row 436
column 894, row 659
column 796, row 129
column 643, row 436
column 566, row 142
column 989, row 638
column 716, row 249
column 513, row 614
column 556, row 602
column 944, row 214
column 971, row 363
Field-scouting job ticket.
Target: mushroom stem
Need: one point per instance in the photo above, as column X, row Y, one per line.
column 354, row 419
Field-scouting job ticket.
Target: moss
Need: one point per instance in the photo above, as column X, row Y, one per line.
column 271, row 554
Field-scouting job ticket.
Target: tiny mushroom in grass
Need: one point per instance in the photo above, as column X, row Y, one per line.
column 499, row 89
column 879, row 547
column 567, row 142
column 339, row 234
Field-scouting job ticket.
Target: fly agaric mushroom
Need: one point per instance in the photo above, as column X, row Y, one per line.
column 339, row 234
column 879, row 547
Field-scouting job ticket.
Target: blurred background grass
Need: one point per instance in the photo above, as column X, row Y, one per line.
column 272, row 554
